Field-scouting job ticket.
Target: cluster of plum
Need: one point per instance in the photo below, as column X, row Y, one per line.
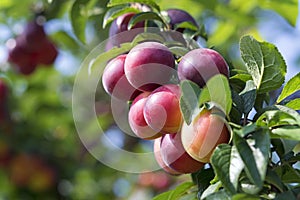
column 31, row 48
column 147, row 76
column 144, row 76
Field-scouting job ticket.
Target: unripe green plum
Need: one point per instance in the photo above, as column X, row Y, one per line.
column 137, row 121
column 207, row 130
column 199, row 65
column 149, row 65
column 159, row 160
column 162, row 109
column 115, row 82
column 175, row 156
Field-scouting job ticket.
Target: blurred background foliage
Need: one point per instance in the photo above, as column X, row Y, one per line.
column 41, row 156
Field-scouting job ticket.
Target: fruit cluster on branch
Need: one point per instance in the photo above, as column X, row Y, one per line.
column 145, row 75
column 31, row 48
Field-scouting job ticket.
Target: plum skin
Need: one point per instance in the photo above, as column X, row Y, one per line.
column 115, row 82
column 159, row 160
column 162, row 110
column 175, row 156
column 137, row 121
column 199, row 65
column 149, row 65
column 207, row 130
column 178, row 16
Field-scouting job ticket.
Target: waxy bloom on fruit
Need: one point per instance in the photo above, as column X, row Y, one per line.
column 162, row 110
column 115, row 82
column 199, row 65
column 159, row 160
column 149, row 65
column 175, row 156
column 137, row 121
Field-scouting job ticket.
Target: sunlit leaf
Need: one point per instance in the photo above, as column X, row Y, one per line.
column 255, row 154
column 286, row 132
column 294, row 104
column 217, row 90
column 264, row 62
column 142, row 17
column 176, row 193
column 79, row 16
column 291, row 87
column 147, row 2
column 227, row 165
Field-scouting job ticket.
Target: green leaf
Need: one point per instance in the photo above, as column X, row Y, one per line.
column 255, row 154
column 102, row 59
column 285, row 195
column 179, row 51
column 274, row 180
column 203, row 178
column 238, row 81
column 176, row 193
column 245, row 197
column 211, row 189
column 227, row 165
column 246, row 130
column 65, row 41
column 248, row 96
column 189, row 99
column 117, row 11
column 147, row 2
column 79, row 18
column 278, row 116
column 186, row 25
column 294, row 104
column 143, row 37
column 292, row 86
column 219, row 195
column 264, row 62
column 287, row 9
column 288, row 174
column 144, row 16
column 286, row 132
column 217, row 90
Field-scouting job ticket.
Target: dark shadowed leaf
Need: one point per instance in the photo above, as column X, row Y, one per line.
column 248, row 96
